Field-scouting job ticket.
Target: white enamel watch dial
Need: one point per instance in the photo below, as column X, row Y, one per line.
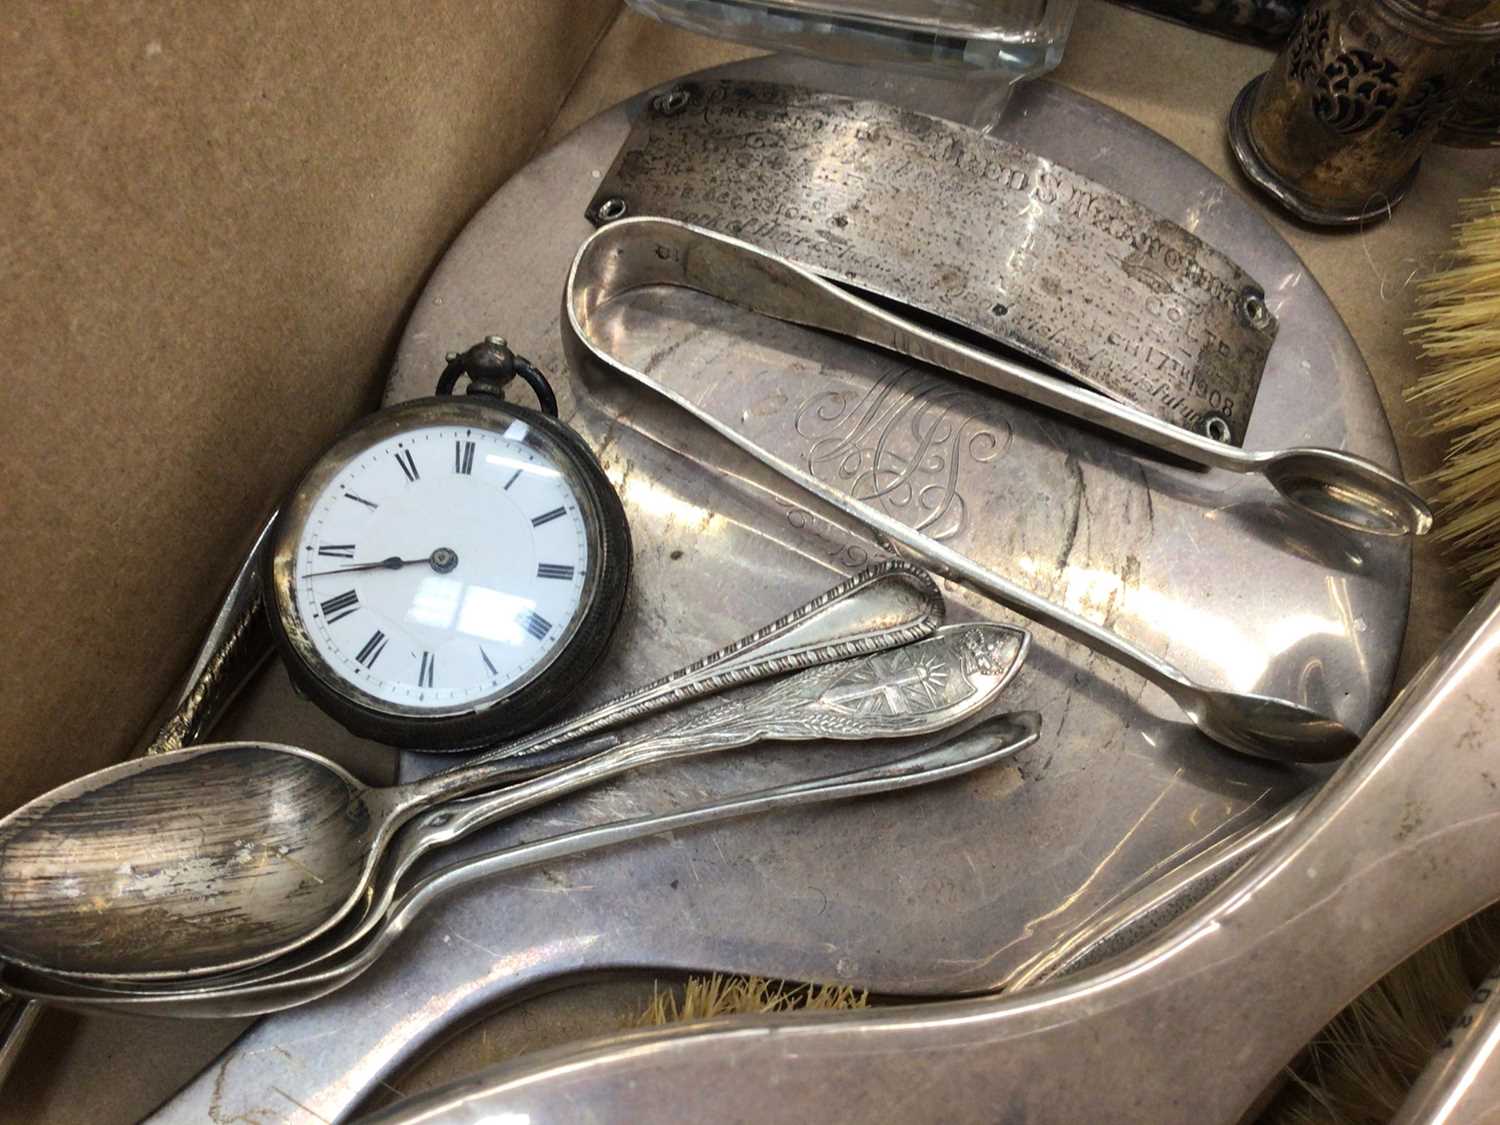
column 444, row 560
column 441, row 564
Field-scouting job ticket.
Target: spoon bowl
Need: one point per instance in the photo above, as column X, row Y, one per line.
column 1259, row 725
column 170, row 855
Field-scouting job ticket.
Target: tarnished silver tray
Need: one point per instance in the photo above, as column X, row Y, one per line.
column 944, row 891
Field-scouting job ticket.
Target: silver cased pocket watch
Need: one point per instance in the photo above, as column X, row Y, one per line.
column 451, row 567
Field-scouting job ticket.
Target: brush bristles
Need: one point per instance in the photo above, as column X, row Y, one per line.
column 1458, row 332
column 706, row 997
column 1359, row 1069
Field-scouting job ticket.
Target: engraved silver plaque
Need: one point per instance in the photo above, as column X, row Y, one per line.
column 964, row 226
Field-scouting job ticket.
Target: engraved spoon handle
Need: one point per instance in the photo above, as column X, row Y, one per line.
column 237, row 643
column 801, row 706
column 883, row 606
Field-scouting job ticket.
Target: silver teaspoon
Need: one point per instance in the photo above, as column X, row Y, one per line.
column 1335, row 486
column 910, row 690
column 986, row 743
column 291, row 832
column 632, row 253
column 219, row 857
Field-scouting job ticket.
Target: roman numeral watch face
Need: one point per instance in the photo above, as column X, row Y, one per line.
column 447, row 571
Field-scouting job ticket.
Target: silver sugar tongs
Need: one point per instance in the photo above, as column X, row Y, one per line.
column 637, row 253
column 1340, row 487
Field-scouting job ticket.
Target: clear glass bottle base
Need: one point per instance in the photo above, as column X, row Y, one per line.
column 1003, row 40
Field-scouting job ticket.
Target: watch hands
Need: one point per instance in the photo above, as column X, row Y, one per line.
column 441, row 560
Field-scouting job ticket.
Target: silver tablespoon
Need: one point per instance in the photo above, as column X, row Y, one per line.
column 910, row 682
column 906, row 692
column 292, row 831
column 986, row 743
column 1339, row 487
column 220, row 857
column 633, row 253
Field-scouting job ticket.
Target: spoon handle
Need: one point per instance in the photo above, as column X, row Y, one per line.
column 914, row 690
column 883, row 606
column 237, row 643
column 983, row 744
